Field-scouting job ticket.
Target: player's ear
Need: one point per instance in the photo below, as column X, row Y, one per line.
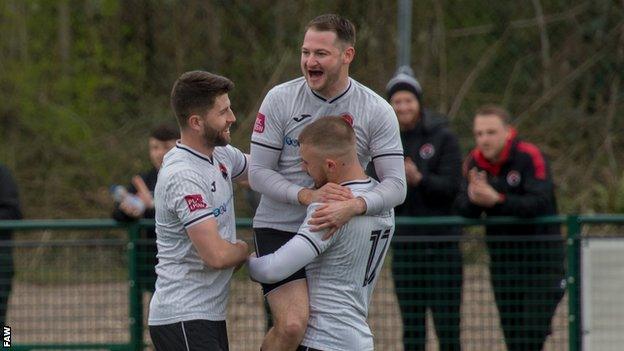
column 330, row 165
column 348, row 55
column 194, row 122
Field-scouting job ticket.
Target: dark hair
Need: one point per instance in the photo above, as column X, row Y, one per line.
column 195, row 92
column 331, row 134
column 496, row 110
column 344, row 29
column 165, row 132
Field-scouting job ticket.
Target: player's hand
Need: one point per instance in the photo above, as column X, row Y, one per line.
column 243, row 245
column 132, row 211
column 143, row 191
column 331, row 216
column 327, row 193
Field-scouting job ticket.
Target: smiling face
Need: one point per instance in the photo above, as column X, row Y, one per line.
column 406, row 107
column 490, row 134
column 217, row 121
column 325, row 62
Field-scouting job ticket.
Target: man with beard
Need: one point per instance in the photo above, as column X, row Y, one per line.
column 195, row 228
column 275, row 169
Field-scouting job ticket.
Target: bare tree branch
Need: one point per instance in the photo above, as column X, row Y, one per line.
column 485, row 59
column 487, row 28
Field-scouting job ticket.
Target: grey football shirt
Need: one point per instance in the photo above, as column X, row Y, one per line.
column 342, row 278
column 341, row 274
column 191, row 188
column 287, row 109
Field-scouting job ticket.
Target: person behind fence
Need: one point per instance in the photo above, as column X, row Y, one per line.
column 342, row 270
column 325, row 89
column 195, row 227
column 9, row 209
column 427, row 273
column 161, row 139
column 506, row 176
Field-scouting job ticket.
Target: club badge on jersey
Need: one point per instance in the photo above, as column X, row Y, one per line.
column 223, row 170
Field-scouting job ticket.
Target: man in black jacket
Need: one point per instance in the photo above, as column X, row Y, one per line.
column 9, row 209
column 505, row 176
column 161, row 140
column 427, row 270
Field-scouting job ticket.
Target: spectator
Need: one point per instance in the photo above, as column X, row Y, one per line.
column 433, row 173
column 161, row 140
column 505, row 176
column 9, row 209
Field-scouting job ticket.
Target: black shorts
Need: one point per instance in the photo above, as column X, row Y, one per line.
column 268, row 241
column 194, row 335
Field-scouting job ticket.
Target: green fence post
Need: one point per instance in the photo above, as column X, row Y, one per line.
column 135, row 298
column 573, row 282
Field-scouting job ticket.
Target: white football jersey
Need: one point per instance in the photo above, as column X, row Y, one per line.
column 288, row 108
column 191, row 188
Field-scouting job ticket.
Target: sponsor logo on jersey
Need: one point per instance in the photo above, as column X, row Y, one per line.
column 259, row 125
column 514, row 178
column 223, row 170
column 291, row 141
column 426, row 151
column 220, row 210
column 195, row 202
column 303, row 116
column 347, row 118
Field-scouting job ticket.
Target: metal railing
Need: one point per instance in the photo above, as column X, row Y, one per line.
column 135, row 317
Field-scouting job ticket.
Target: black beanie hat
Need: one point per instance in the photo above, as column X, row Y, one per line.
column 404, row 80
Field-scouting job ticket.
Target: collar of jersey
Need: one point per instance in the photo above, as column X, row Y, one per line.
column 354, row 182
column 334, row 99
column 196, row 153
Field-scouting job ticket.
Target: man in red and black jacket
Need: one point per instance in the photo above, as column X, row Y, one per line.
column 505, row 176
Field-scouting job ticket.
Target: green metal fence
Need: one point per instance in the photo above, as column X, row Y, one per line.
column 95, row 270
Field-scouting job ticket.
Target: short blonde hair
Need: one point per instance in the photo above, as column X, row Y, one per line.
column 332, row 135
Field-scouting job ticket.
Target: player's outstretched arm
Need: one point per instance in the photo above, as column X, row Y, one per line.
column 284, row 262
column 216, row 252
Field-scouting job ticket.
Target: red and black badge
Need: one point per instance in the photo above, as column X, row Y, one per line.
column 514, row 178
column 223, row 170
column 347, row 118
column 426, row 151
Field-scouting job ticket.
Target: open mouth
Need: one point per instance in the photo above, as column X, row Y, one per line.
column 315, row 73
